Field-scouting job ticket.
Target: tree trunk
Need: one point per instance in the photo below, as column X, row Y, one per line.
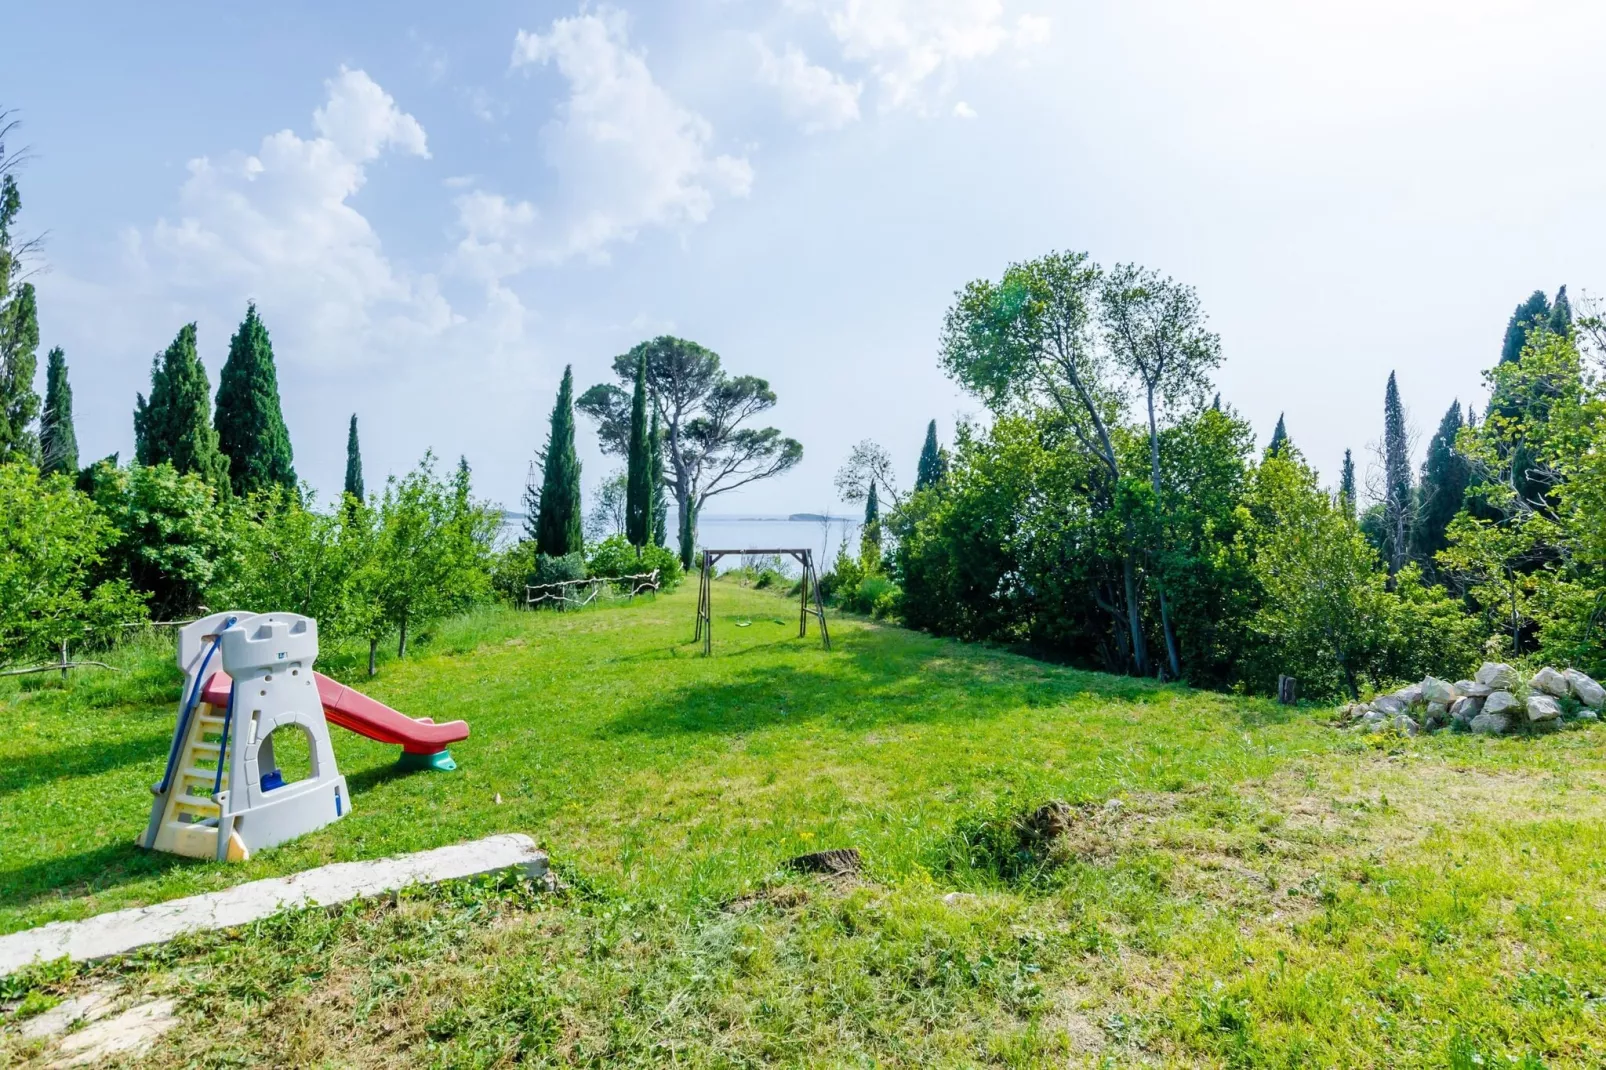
column 1171, row 652
column 1134, row 623
column 401, row 645
column 373, row 652
column 688, row 529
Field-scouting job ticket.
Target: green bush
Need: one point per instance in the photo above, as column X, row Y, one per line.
column 614, row 556
column 550, row 569
column 172, row 533
column 512, row 567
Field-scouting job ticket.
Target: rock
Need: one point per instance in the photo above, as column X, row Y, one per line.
column 1500, row 702
column 1551, row 682
column 1587, row 714
column 1437, row 715
column 1498, row 675
column 1585, row 690
column 1472, row 689
column 1388, row 704
column 1466, row 708
column 960, row 899
column 1543, row 708
column 1404, row 725
column 843, row 862
column 128, row 1034
column 1440, row 691
column 1490, row 724
column 1410, row 695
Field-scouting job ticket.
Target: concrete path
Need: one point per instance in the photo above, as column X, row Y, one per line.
column 123, row 930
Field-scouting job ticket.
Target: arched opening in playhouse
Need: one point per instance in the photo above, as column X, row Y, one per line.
column 285, row 757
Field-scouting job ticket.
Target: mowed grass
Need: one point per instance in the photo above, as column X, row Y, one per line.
column 1242, row 886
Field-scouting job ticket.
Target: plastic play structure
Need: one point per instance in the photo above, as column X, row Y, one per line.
column 246, row 676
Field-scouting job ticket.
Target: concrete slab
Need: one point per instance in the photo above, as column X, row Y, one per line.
column 124, row 930
column 130, row 1033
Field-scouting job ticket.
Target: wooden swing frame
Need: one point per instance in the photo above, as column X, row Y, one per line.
column 810, row 592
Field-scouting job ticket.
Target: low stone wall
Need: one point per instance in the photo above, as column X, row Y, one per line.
column 1495, row 702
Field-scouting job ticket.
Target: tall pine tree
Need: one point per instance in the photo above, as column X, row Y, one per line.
column 870, row 536
column 250, row 423
column 1346, row 486
column 1561, row 313
column 58, row 442
column 1442, row 491
column 354, row 486
column 175, row 425
column 1398, row 497
column 19, row 320
column 655, row 475
column 1534, row 312
column 558, row 527
column 1279, row 439
column 933, row 465
column 638, row 470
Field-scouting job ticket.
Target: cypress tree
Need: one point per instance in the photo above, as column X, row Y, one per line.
column 174, row 426
column 58, row 442
column 250, row 424
column 1445, row 475
column 638, row 473
column 558, row 527
column 354, row 485
column 870, row 537
column 933, row 465
column 1346, row 486
column 19, row 326
column 1279, row 439
column 1531, row 313
column 1398, row 497
column 1561, row 313
column 655, row 481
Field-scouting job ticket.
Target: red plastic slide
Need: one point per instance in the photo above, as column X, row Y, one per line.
column 353, row 710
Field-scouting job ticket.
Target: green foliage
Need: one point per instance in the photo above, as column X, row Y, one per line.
column 1346, row 486
column 512, row 567
column 173, row 538
column 174, row 426
column 1442, row 490
column 52, row 547
column 639, row 477
column 58, row 441
column 655, row 473
column 1534, row 312
column 250, row 423
column 553, row 569
column 432, row 551
column 615, row 556
column 354, row 484
column 558, row 528
column 1279, row 439
column 19, row 360
column 933, row 466
column 870, row 533
column 1399, row 498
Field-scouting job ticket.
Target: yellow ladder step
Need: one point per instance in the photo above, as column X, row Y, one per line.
column 209, row 748
column 208, row 775
column 195, row 801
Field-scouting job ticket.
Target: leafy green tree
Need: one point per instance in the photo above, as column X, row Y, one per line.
column 58, row 442
column 1441, row 491
column 638, row 474
column 173, row 537
column 250, row 423
column 1346, row 486
column 1326, row 611
column 933, row 464
column 174, row 426
column 1399, row 497
column 1534, row 312
column 609, row 509
column 655, row 474
column 1027, row 341
column 869, row 465
column 432, row 553
column 558, row 529
column 52, row 547
column 354, row 485
column 1279, row 438
column 707, row 448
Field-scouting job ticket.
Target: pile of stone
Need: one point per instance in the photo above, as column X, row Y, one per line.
column 1494, row 703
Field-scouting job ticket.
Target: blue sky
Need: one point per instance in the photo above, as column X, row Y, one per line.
column 436, row 207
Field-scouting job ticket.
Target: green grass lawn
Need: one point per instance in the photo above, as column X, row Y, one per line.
column 1261, row 891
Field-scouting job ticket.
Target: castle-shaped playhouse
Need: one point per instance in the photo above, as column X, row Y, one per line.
column 248, row 677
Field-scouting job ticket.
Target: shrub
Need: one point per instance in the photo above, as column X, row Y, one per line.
column 549, row 569
column 512, row 567
column 614, row 556
column 172, row 536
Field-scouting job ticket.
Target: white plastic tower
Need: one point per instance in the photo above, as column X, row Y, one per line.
column 222, row 795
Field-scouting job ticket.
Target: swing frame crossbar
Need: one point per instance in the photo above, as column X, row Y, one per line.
column 810, row 594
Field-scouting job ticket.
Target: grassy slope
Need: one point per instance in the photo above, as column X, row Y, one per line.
column 1269, row 893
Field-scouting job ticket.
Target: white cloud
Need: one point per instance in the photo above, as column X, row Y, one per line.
column 277, row 226
column 626, row 154
column 964, row 111
column 818, row 98
column 907, row 43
